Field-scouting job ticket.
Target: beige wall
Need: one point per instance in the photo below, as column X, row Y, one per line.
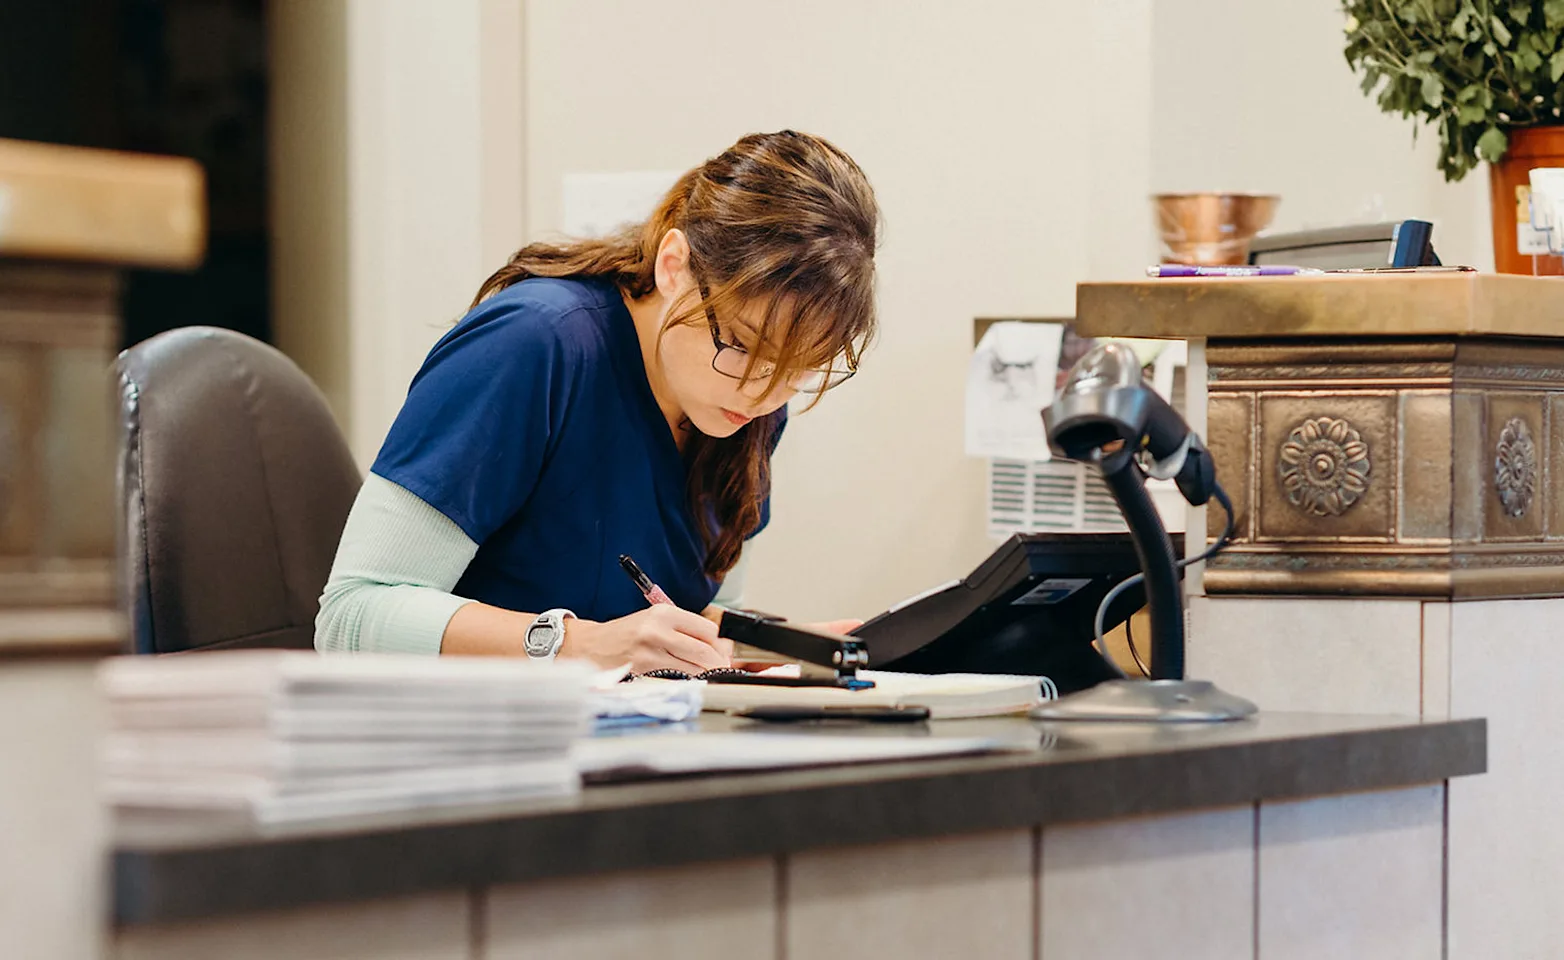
column 307, row 43
column 397, row 186
column 1012, row 144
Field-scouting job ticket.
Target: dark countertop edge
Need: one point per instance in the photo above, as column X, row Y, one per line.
column 909, row 801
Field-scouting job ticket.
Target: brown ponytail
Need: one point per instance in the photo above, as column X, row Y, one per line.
column 785, row 220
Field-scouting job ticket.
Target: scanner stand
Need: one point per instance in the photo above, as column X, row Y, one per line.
column 1162, row 701
column 1169, row 698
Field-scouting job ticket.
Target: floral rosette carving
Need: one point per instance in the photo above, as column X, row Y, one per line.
column 1515, row 467
column 1324, row 466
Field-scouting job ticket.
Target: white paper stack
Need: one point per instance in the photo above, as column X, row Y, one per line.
column 294, row 735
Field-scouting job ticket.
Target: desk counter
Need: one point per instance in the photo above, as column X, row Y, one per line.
column 1009, row 826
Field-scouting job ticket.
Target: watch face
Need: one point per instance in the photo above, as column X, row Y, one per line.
column 541, row 638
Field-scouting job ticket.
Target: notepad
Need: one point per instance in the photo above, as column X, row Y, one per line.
column 947, row 695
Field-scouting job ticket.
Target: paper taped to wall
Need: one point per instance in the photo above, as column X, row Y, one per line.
column 1010, row 379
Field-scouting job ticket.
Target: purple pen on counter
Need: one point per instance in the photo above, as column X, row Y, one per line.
column 1189, row 270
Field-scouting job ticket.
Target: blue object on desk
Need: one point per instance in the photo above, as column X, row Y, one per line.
column 602, row 724
column 642, row 726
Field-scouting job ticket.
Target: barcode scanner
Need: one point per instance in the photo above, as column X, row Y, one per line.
column 1107, row 415
column 1106, row 403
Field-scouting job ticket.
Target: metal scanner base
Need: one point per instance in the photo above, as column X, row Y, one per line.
column 1148, row 701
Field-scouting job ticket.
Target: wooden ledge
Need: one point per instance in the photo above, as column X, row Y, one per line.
column 103, row 206
column 60, row 634
column 1344, row 305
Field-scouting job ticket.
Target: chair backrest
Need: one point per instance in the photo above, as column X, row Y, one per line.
column 235, row 483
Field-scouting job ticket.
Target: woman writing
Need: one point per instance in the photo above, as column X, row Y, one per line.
column 608, row 397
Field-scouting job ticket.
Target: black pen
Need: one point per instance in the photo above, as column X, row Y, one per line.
column 780, row 713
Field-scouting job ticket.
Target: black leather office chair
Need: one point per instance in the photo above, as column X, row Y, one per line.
column 235, row 483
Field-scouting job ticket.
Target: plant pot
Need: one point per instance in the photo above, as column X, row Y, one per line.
column 1511, row 190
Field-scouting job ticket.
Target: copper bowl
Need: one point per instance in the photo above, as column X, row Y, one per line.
column 1211, row 228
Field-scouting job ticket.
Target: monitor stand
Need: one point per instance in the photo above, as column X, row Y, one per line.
column 1156, row 701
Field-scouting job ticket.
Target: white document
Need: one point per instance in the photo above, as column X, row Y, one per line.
column 1010, row 379
column 607, row 758
column 599, row 203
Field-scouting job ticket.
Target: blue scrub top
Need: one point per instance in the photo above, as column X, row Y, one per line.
column 532, row 426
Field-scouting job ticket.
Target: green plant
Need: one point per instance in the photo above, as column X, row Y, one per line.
column 1471, row 68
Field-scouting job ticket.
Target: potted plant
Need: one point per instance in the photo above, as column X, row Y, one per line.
column 1485, row 74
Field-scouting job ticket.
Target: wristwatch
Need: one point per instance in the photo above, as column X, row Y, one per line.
column 546, row 633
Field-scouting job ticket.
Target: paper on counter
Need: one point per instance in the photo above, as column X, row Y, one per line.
column 662, row 754
column 1010, row 379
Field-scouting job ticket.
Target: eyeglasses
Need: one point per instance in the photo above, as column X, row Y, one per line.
column 732, row 360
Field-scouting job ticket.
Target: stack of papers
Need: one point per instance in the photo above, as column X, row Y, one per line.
column 947, row 695
column 291, row 735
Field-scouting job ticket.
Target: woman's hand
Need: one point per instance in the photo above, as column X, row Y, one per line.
column 661, row 636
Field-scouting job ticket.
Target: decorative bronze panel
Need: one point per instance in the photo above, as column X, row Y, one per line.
column 1424, row 503
column 1510, row 453
column 1515, row 468
column 1384, row 467
column 1553, row 471
column 1468, row 467
column 1229, row 431
column 1326, row 467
